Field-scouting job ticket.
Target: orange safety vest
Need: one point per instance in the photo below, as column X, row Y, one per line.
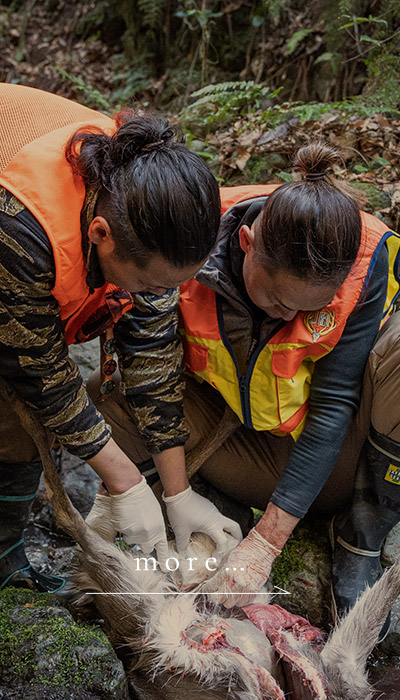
column 34, row 129
column 273, row 394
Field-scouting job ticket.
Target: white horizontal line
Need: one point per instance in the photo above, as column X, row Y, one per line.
column 188, row 593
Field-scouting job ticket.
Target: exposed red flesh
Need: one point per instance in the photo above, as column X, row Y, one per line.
column 216, row 641
column 303, row 680
column 270, row 618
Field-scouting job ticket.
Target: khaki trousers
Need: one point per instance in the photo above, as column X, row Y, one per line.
column 248, row 466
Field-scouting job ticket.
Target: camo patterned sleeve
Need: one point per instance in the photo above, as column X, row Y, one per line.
column 151, row 363
column 33, row 350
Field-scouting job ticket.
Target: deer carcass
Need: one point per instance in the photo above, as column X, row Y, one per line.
column 186, row 647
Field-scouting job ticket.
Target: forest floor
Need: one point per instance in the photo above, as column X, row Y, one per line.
column 53, row 51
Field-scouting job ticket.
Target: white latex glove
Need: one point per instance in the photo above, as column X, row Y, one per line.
column 137, row 514
column 245, row 569
column 99, row 518
column 189, row 512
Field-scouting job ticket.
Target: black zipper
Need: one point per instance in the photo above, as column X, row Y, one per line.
column 244, row 382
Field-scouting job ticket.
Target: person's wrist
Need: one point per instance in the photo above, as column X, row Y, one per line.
column 122, row 483
column 176, row 488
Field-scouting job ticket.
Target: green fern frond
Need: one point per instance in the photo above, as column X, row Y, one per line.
column 151, row 11
column 274, row 7
column 219, row 88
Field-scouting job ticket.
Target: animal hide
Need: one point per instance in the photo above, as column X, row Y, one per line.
column 260, row 652
column 183, row 642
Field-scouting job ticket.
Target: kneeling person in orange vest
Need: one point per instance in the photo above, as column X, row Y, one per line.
column 279, row 324
column 101, row 219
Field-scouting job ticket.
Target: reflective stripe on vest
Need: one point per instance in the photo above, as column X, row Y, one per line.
column 273, row 394
column 40, row 177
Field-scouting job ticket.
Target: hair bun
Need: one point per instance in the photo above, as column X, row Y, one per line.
column 315, row 160
column 137, row 136
column 97, row 156
column 315, row 176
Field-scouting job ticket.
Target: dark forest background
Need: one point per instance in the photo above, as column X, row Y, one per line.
column 248, row 80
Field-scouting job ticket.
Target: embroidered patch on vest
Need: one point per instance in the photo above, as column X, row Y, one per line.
column 393, row 474
column 319, row 323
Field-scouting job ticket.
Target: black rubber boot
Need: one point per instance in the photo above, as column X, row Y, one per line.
column 357, row 534
column 18, row 484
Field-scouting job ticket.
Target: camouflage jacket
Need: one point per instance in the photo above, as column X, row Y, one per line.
column 34, row 353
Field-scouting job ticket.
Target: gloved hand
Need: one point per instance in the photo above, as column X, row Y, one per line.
column 99, row 518
column 245, row 569
column 137, row 514
column 189, row 512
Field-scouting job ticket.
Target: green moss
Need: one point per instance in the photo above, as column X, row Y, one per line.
column 12, row 597
column 375, row 198
column 310, row 534
column 57, row 635
column 289, row 561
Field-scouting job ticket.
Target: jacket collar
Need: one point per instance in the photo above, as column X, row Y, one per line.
column 223, row 270
column 94, row 277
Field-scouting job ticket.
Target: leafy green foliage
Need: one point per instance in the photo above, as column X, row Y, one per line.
column 230, row 100
column 314, row 110
column 129, row 81
column 151, row 12
column 318, row 52
column 297, row 37
column 89, row 94
column 223, row 103
column 274, row 7
column 383, row 87
column 196, row 16
column 286, row 177
column 361, row 20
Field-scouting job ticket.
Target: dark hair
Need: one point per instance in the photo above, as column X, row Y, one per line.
column 312, row 227
column 157, row 196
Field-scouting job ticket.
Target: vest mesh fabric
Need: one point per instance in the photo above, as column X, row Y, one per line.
column 27, row 114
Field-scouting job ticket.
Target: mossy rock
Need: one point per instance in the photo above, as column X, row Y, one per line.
column 375, row 198
column 262, row 166
column 303, row 570
column 42, row 646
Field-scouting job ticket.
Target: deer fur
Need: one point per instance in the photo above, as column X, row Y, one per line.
column 153, row 626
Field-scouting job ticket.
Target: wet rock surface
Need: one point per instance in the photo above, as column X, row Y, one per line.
column 44, row 648
column 304, row 571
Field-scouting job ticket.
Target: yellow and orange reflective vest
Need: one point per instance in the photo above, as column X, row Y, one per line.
column 273, row 393
column 34, row 129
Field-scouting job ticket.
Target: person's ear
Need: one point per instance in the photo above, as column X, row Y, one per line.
column 99, row 232
column 246, row 239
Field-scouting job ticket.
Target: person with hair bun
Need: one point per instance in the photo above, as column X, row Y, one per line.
column 101, row 220
column 279, row 324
